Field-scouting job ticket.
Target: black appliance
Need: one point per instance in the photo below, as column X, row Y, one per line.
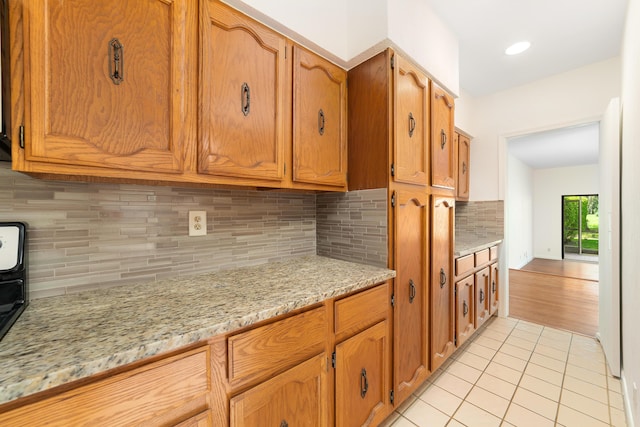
column 13, row 273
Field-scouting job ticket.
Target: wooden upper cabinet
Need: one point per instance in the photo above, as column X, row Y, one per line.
column 411, row 123
column 411, row 328
column 464, row 155
column 442, row 145
column 442, row 299
column 242, row 95
column 319, row 120
column 105, row 83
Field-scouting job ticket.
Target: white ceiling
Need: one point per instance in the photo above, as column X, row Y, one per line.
column 564, row 34
column 571, row 146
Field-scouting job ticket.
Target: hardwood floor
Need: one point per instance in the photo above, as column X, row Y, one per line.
column 547, row 297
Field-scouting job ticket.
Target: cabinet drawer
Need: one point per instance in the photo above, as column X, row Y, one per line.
column 264, row 351
column 464, row 264
column 357, row 312
column 166, row 390
column 482, row 257
column 493, row 253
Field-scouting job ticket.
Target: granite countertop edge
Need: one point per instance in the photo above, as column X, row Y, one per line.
column 468, row 245
column 287, row 278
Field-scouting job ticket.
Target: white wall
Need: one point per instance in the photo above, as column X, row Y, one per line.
column 630, row 197
column 577, row 96
column 549, row 185
column 348, row 32
column 519, row 213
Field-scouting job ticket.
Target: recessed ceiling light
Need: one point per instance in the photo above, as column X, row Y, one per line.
column 517, row 48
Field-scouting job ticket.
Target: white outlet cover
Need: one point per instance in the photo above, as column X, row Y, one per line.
column 197, row 223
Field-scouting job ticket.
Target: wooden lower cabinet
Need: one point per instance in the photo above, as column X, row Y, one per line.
column 362, row 378
column 482, row 296
column 494, row 283
column 465, row 313
column 297, row 397
column 167, row 392
column 411, row 327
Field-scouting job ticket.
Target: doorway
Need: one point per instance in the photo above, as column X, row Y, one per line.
column 580, row 226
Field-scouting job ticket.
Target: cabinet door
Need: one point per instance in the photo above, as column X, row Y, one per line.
column 242, row 91
column 362, row 378
column 494, row 284
column 411, row 137
column 442, row 147
column 482, row 296
column 464, row 151
column 411, row 333
column 297, row 397
column 106, row 83
column 465, row 317
column 442, row 303
column 319, row 120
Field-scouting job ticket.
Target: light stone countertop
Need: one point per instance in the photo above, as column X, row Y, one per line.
column 61, row 339
column 466, row 244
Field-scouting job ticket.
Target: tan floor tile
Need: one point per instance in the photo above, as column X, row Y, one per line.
column 471, row 415
column 551, row 352
column 496, row 385
column 591, row 407
column 424, row 415
column 453, row 385
column 488, row 401
column 473, row 360
column 509, row 361
column 569, row 417
column 615, row 400
column 506, row 424
column 618, row 418
column 586, row 375
column 540, row 387
column 488, row 342
column 557, row 334
column 554, row 343
column 480, row 350
column 518, row 352
column 403, row 422
column 545, row 374
column 586, row 389
column 592, row 364
column 525, row 335
column 548, row 362
column 493, row 334
column 465, row 372
column 504, row 373
column 522, row 417
column 500, row 327
column 536, row 403
column 522, row 343
column 405, row 405
column 528, row 326
column 424, row 386
column 441, row 399
column 454, row 423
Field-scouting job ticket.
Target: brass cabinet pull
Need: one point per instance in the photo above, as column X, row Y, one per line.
column 443, row 139
column 284, row 423
column 412, row 290
column 481, row 295
column 364, row 383
column 412, row 125
column 443, row 278
column 116, row 61
column 321, row 122
column 465, row 308
column 245, row 99
column 493, row 287
column 464, row 168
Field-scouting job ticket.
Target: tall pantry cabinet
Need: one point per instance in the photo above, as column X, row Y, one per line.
column 391, row 115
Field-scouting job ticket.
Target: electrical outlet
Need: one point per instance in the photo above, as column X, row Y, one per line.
column 197, row 223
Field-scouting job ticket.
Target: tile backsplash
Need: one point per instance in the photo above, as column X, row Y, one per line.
column 87, row 235
column 353, row 226
column 480, row 218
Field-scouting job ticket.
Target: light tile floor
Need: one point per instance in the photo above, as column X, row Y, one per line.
column 516, row 373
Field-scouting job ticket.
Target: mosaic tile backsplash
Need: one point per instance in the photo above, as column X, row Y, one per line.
column 480, row 218
column 353, row 226
column 87, row 235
